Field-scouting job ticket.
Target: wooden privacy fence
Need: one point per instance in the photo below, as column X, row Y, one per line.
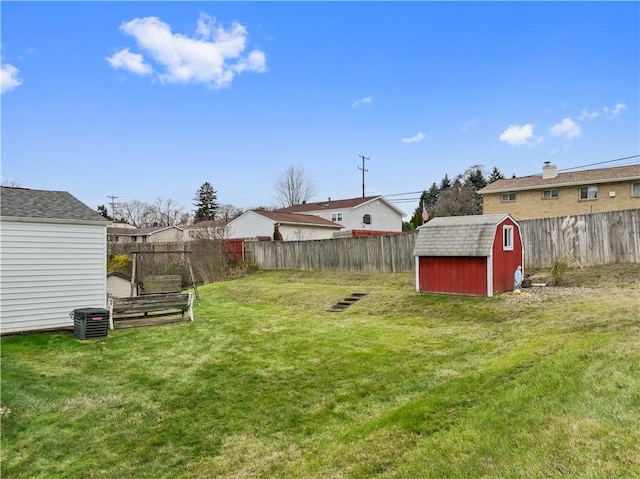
column 392, row 253
column 585, row 240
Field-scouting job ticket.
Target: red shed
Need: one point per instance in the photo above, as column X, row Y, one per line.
column 473, row 255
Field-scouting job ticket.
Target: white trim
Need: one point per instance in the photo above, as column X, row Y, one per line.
column 417, row 273
column 55, row 221
column 489, row 276
column 510, row 236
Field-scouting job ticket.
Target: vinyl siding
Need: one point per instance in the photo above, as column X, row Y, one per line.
column 47, row 271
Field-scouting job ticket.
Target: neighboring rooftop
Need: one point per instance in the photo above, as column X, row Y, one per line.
column 458, row 235
column 328, row 204
column 297, row 219
column 551, row 178
column 42, row 204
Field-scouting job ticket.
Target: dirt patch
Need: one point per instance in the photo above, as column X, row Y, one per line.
column 613, row 280
column 536, row 294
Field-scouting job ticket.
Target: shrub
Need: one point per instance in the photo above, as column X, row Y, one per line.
column 559, row 271
column 119, row 263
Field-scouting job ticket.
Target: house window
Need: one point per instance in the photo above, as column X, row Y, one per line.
column 366, row 219
column 507, row 238
column 335, row 217
column 508, row 197
column 588, row 192
column 635, row 188
column 548, row 194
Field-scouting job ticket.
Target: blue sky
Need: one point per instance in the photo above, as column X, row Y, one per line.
column 148, row 100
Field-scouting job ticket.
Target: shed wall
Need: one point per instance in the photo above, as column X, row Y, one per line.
column 47, row 271
column 505, row 262
column 453, row 275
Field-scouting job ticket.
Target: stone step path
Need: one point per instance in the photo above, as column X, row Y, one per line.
column 346, row 302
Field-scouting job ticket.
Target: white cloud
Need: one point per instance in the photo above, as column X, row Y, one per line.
column 518, row 135
column 417, row 138
column 133, row 62
column 566, row 128
column 214, row 56
column 367, row 100
column 587, row 115
column 9, row 78
column 612, row 113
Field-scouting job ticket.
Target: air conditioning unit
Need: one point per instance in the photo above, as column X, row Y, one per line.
column 90, row 323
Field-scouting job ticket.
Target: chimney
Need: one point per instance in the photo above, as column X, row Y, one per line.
column 549, row 171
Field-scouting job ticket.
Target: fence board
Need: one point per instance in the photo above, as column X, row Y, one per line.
column 585, row 240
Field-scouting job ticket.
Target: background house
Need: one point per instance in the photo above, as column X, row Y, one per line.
column 157, row 234
column 52, row 261
column 292, row 227
column 472, row 255
column 370, row 213
column 560, row 194
column 210, row 229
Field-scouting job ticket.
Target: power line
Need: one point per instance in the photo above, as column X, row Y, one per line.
column 565, row 169
column 601, row 163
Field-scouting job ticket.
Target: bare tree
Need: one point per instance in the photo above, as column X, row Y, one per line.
column 136, row 213
column 229, row 212
column 11, row 183
column 293, row 187
column 165, row 212
column 457, row 200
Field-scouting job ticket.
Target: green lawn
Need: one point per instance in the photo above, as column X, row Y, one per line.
column 266, row 383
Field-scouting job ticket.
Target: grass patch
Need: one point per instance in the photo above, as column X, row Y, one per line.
column 266, row 383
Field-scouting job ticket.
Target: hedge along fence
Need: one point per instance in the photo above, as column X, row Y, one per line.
column 584, row 240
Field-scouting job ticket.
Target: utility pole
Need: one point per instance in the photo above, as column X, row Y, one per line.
column 363, row 171
column 113, row 206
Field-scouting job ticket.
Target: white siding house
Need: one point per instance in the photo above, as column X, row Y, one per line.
column 370, row 213
column 52, row 259
column 292, row 227
column 156, row 234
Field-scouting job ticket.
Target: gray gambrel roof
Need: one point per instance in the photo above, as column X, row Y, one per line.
column 458, row 236
column 41, row 205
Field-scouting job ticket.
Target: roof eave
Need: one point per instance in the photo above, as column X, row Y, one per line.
column 61, row 221
column 557, row 185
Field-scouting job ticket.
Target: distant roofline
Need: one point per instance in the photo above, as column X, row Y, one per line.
column 563, row 179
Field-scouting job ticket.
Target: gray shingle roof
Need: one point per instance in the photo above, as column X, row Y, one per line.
column 458, row 236
column 297, row 219
column 41, row 204
column 585, row 177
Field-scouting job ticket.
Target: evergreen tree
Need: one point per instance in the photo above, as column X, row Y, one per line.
column 427, row 201
column 476, row 179
column 102, row 209
column 495, row 175
column 206, row 201
column 445, row 183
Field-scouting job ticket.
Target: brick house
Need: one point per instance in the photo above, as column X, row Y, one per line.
column 561, row 194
